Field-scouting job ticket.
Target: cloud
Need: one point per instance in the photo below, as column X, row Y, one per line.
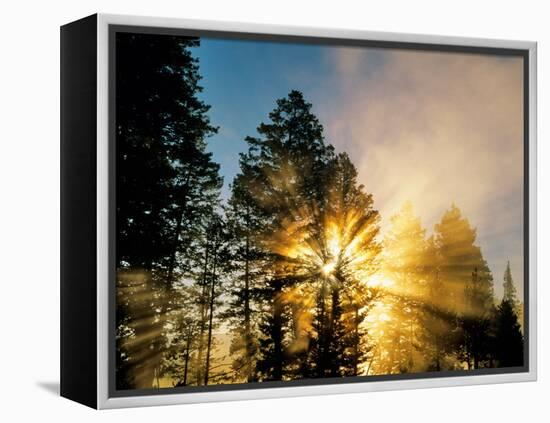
column 436, row 128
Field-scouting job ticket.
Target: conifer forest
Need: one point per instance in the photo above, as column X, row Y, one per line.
column 287, row 269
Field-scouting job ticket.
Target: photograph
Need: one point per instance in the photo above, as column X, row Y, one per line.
column 293, row 210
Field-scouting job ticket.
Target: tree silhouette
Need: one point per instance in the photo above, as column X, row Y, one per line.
column 346, row 247
column 282, row 170
column 508, row 341
column 246, row 220
column 508, row 338
column 166, row 183
column 440, row 333
column 510, row 292
column 469, row 284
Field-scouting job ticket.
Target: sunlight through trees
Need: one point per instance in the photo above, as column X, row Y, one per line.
column 291, row 277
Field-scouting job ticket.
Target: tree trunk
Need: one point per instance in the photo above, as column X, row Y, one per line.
column 278, row 334
column 179, row 218
column 356, row 341
column 334, row 357
column 411, row 343
column 211, row 314
column 186, row 367
column 202, row 312
column 247, row 329
column 322, row 333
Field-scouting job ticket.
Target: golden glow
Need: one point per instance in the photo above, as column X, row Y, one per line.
column 385, row 284
column 328, row 268
column 380, row 281
column 468, row 123
column 344, row 245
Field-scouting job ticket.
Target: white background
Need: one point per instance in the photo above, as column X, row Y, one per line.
column 29, row 209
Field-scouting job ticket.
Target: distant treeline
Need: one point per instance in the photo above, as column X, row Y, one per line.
column 291, row 275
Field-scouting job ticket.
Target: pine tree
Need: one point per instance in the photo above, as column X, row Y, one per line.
column 356, row 342
column 164, row 173
column 286, row 165
column 245, row 221
column 440, row 332
column 509, row 287
column 349, row 251
column 508, row 340
column 476, row 323
column 220, row 258
column 313, row 214
column 166, row 183
column 469, row 283
column 178, row 360
column 272, row 364
column 404, row 258
column 510, row 295
column 327, row 347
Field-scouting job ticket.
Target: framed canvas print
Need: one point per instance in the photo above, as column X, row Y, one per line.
column 255, row 211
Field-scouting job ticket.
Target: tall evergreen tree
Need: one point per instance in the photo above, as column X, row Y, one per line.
column 510, row 295
column 507, row 334
column 404, row 263
column 220, row 259
column 508, row 340
column 166, row 181
column 178, row 360
column 509, row 287
column 346, row 244
column 285, row 164
column 440, row 331
column 252, row 287
column 469, row 283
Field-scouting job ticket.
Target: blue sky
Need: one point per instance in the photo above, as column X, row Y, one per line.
column 242, row 80
column 433, row 128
